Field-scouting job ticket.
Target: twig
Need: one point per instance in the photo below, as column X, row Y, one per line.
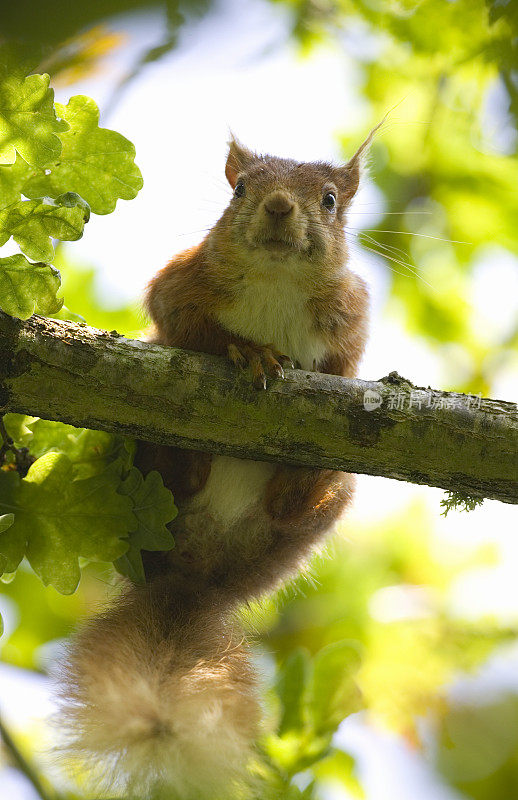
column 22, row 764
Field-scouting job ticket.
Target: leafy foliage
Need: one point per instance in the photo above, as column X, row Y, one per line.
column 59, row 158
column 95, row 162
column 6, row 520
column 153, row 507
column 12, row 178
column 478, row 746
column 58, row 520
column 73, row 503
column 89, row 452
column 81, row 498
column 315, row 694
column 26, row 288
column 291, row 685
column 31, row 223
column 334, row 694
column 28, row 121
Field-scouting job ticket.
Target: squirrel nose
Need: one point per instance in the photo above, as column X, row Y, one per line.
column 278, row 205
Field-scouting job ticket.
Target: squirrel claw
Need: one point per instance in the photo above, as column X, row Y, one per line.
column 261, row 358
column 286, row 360
column 236, row 356
column 259, row 381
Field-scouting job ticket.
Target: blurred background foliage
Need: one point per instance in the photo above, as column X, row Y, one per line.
column 372, row 631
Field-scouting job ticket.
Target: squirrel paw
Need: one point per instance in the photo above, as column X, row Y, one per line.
column 261, row 358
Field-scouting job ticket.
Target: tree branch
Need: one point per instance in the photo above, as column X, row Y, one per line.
column 89, row 378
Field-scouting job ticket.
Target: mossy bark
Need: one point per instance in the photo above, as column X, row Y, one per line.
column 90, row 378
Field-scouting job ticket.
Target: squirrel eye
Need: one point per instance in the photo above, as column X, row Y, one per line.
column 329, row 201
column 239, row 190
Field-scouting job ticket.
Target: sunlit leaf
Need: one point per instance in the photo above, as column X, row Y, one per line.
column 28, row 122
column 333, row 691
column 89, row 451
column 12, row 178
column 57, row 520
column 32, row 224
column 291, row 685
column 478, row 747
column 97, row 163
column 340, row 768
column 27, row 288
column 6, row 520
column 294, row 752
column 18, row 428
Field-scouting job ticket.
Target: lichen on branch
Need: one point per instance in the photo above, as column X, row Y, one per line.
column 68, row 372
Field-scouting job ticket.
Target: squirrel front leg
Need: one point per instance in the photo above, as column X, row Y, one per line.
column 261, row 358
column 302, row 502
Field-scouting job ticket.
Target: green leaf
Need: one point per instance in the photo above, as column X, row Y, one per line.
column 27, row 288
column 28, row 122
column 6, row 520
column 477, row 746
column 340, row 767
column 89, row 451
column 333, row 691
column 290, row 687
column 12, row 547
column 97, row 163
column 294, row 752
column 64, row 313
column 32, row 223
column 18, row 426
column 12, row 178
column 58, row 520
column 72, row 199
column 154, row 508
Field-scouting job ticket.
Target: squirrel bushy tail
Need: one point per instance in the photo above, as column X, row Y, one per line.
column 159, row 695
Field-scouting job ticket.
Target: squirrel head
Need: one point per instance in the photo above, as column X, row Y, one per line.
column 282, row 208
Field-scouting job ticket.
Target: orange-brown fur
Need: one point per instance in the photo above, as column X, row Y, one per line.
column 279, row 232
column 144, row 668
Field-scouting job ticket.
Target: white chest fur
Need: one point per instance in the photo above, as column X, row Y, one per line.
column 271, row 308
column 233, row 487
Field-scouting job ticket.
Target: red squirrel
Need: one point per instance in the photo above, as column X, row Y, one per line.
column 160, row 693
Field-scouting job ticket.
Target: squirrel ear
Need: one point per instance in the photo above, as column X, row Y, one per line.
column 348, row 176
column 237, row 160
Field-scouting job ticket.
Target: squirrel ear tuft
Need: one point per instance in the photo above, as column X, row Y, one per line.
column 348, row 176
column 237, row 160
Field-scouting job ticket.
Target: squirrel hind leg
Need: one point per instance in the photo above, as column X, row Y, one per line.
column 159, row 700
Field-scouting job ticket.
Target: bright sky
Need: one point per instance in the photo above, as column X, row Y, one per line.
column 234, row 70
